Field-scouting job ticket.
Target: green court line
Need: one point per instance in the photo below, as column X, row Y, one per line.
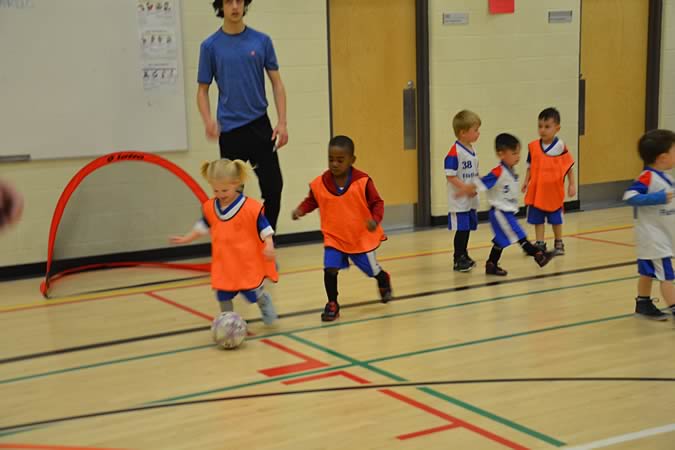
column 453, row 400
column 312, row 328
column 21, row 430
column 104, row 363
column 497, row 338
column 496, row 418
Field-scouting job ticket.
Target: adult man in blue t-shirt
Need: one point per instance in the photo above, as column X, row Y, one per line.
column 237, row 57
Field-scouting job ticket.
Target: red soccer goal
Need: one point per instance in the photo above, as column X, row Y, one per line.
column 118, row 211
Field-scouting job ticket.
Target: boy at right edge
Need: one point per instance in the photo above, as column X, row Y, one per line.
column 651, row 196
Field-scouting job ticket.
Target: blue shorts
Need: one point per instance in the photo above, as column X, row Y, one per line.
column 251, row 296
column 661, row 269
column 463, row 221
column 335, row 259
column 536, row 216
column 506, row 228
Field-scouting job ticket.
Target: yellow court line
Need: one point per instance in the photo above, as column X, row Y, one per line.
column 187, row 284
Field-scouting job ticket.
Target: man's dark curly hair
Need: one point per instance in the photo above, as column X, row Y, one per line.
column 218, row 7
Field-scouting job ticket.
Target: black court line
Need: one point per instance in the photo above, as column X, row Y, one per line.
column 338, row 389
column 313, row 311
column 133, row 286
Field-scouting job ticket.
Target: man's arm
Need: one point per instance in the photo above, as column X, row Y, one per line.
column 280, row 131
column 204, row 105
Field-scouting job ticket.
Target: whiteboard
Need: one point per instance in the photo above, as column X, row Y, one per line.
column 71, row 81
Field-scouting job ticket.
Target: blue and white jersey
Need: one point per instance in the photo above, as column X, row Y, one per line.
column 264, row 228
column 461, row 162
column 502, row 188
column 654, row 222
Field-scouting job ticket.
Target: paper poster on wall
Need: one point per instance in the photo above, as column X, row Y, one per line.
column 502, row 6
column 159, row 76
column 157, row 40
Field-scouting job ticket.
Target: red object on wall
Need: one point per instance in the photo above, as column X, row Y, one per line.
column 502, row 6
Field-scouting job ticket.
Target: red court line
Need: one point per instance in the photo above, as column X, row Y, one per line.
column 307, row 364
column 49, row 447
column 180, row 306
column 454, row 420
column 340, row 373
column 403, row 437
column 603, row 241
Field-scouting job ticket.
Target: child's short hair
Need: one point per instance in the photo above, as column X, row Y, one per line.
column 218, row 7
column 224, row 169
column 550, row 113
column 342, row 142
column 653, row 143
column 464, row 120
column 506, row 141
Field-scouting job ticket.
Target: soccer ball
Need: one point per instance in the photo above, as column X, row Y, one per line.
column 228, row 330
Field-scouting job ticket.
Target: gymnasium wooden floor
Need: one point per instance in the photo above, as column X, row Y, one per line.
column 544, row 358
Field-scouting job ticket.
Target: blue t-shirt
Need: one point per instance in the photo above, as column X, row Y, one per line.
column 238, row 63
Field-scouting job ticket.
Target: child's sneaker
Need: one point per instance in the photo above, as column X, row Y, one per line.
column 385, row 292
column 646, row 309
column 493, row 269
column 269, row 314
column 463, row 264
column 559, row 248
column 542, row 258
column 330, row 312
column 541, row 245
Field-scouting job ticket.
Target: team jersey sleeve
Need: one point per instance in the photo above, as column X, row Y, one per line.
column 202, row 226
column 488, row 181
column 264, row 228
column 638, row 193
column 639, row 186
column 451, row 163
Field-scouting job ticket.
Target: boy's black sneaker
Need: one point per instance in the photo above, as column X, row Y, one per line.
column 542, row 258
column 493, row 269
column 646, row 309
column 559, row 249
column 463, row 264
column 330, row 312
column 385, row 292
column 541, row 245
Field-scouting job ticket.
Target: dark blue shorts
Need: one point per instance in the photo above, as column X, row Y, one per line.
column 536, row 216
column 463, row 221
column 335, row 259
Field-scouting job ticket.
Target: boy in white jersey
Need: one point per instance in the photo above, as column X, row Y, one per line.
column 651, row 195
column 461, row 167
column 501, row 185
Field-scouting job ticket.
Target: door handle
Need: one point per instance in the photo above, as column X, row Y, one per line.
column 582, row 106
column 409, row 117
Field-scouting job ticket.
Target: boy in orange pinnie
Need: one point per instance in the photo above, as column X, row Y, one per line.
column 351, row 212
column 550, row 162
